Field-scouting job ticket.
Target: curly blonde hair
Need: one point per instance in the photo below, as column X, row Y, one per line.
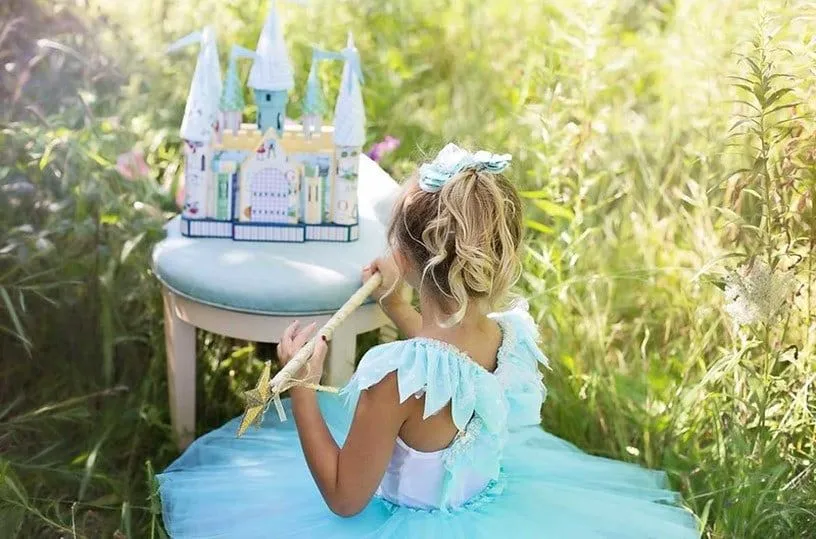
column 463, row 240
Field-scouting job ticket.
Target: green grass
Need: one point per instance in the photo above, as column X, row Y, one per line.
column 660, row 145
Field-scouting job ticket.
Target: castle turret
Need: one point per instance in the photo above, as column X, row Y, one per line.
column 200, row 120
column 271, row 75
column 349, row 137
column 201, row 111
column 314, row 104
column 232, row 98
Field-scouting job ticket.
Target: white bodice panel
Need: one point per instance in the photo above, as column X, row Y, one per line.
column 414, row 479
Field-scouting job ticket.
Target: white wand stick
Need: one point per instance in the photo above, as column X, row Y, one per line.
column 258, row 398
column 282, row 380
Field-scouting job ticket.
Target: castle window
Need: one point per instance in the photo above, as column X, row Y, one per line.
column 269, row 97
column 203, row 164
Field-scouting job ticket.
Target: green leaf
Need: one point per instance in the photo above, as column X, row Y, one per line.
column 745, row 87
column 7, row 410
column 11, row 483
column 535, row 225
column 754, row 67
column 534, row 194
column 774, row 97
column 748, row 81
column 15, row 319
column 129, row 246
column 738, row 171
column 705, row 516
column 780, row 107
column 126, row 519
column 12, row 511
column 753, row 228
column 109, row 219
column 98, row 159
column 46, row 156
column 752, row 193
column 791, row 119
column 741, row 122
column 554, row 210
column 729, row 214
column 90, row 464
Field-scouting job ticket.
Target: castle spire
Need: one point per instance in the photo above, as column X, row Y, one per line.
column 271, row 75
column 232, row 98
column 349, row 112
column 201, row 111
column 271, row 70
column 314, row 103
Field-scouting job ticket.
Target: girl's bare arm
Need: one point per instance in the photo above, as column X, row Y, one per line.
column 348, row 476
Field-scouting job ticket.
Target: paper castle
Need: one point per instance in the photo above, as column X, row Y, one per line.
column 272, row 180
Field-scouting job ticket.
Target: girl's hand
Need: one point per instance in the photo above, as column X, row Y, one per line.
column 293, row 339
column 391, row 285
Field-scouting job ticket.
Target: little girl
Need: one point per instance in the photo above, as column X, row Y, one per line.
column 437, row 435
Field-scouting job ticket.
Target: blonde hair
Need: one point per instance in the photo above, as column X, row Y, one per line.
column 463, row 240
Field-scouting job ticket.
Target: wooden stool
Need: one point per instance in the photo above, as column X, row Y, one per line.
column 254, row 290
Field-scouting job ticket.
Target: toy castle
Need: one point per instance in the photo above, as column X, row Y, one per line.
column 272, row 180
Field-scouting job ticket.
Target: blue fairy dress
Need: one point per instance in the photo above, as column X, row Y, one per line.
column 503, row 475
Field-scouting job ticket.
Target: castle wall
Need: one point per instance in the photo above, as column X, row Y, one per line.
column 196, row 179
column 344, row 196
column 230, row 119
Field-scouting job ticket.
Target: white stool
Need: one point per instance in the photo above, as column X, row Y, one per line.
column 182, row 316
column 254, row 290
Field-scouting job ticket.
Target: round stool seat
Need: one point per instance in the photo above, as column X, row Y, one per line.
column 279, row 278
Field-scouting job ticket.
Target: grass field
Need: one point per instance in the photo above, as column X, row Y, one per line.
column 667, row 152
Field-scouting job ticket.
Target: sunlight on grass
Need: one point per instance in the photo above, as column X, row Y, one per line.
column 661, row 146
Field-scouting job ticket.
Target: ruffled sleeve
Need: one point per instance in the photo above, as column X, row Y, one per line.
column 439, row 372
column 519, row 369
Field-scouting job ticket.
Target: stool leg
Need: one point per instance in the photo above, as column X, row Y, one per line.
column 181, row 372
column 342, row 352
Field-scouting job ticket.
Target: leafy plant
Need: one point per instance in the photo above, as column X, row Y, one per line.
column 639, row 200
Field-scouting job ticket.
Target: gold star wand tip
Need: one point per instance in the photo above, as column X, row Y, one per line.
column 256, row 400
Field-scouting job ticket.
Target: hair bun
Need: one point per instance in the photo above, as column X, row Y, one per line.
column 463, row 239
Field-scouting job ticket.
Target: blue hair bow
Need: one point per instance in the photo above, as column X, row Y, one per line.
column 452, row 160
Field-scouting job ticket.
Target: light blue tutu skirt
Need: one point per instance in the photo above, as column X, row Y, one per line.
column 259, row 486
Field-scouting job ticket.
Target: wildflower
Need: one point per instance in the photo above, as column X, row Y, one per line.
column 755, row 293
column 132, row 165
column 383, row 148
column 180, row 196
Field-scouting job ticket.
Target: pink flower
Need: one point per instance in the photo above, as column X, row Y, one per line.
column 180, row 195
column 383, row 148
column 132, row 165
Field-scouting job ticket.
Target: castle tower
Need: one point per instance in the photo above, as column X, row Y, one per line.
column 349, row 137
column 314, row 103
column 232, row 98
column 200, row 120
column 271, row 75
